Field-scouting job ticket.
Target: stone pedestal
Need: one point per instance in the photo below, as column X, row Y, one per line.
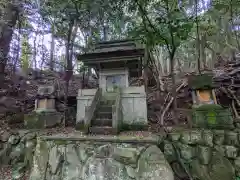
column 212, row 116
column 40, row 120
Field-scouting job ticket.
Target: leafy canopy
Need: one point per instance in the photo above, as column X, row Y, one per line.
column 163, row 22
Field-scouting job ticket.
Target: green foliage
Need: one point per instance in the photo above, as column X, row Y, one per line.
column 169, row 28
column 161, row 24
column 94, row 18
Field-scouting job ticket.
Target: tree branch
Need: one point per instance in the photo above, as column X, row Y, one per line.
column 143, row 12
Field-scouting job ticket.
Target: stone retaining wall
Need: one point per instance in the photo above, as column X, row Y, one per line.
column 108, row 158
column 204, row 154
column 16, row 150
column 201, row 154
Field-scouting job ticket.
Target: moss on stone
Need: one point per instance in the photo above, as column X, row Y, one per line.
column 80, row 126
column 40, row 120
column 33, row 120
column 219, row 168
column 209, row 107
column 15, row 118
column 174, row 136
column 133, row 127
column 42, row 145
column 60, row 142
column 212, row 116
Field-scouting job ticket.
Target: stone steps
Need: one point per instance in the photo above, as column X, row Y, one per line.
column 104, row 108
column 102, row 122
column 104, row 130
column 104, row 115
column 107, row 102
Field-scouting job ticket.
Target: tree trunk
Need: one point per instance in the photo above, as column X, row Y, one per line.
column 105, row 35
column 68, row 69
column 202, row 46
column 174, row 88
column 35, row 51
column 18, row 47
column 233, row 56
column 51, row 63
column 73, row 37
column 172, row 63
column 9, row 17
column 198, row 38
column 145, row 69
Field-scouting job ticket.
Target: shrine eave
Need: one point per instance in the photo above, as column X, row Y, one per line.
column 120, row 55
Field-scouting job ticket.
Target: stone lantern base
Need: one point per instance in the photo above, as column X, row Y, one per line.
column 42, row 119
column 212, row 116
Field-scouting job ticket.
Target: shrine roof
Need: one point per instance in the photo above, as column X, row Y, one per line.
column 113, row 51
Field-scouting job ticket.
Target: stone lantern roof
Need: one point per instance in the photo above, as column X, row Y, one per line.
column 46, row 92
column 201, row 82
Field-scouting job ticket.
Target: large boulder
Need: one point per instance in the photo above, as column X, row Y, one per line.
column 219, row 168
column 153, row 166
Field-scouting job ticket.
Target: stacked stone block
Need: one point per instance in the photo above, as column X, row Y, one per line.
column 206, row 154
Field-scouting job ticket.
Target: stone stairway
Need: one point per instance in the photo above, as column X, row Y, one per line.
column 102, row 121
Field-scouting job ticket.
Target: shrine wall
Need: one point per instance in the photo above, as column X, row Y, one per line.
column 134, row 106
column 103, row 74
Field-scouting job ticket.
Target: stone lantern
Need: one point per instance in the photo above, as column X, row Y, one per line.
column 207, row 113
column 202, row 89
column 45, row 99
column 44, row 114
